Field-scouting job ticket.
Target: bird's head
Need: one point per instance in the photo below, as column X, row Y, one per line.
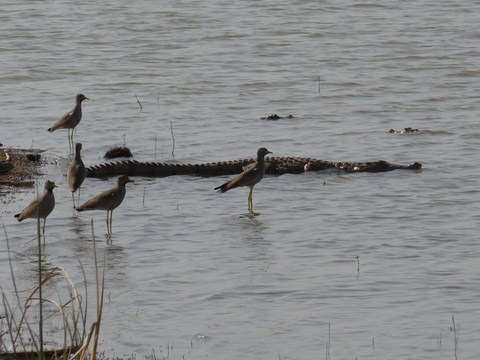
column 262, row 152
column 81, row 97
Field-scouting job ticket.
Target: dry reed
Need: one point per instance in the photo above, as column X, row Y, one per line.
column 19, row 340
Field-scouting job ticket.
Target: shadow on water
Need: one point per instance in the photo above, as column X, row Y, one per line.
column 246, row 254
column 116, row 261
column 250, row 226
column 114, row 255
column 250, row 215
column 28, row 259
column 83, row 229
column 246, row 234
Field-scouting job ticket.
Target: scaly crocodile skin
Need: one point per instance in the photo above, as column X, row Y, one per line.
column 275, row 166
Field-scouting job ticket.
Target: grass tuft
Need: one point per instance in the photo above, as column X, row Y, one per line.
column 66, row 317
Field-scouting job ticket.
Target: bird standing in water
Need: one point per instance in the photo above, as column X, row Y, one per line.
column 71, row 119
column 108, row 200
column 76, row 173
column 252, row 174
column 41, row 206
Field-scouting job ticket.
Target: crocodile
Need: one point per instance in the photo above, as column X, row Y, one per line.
column 274, row 166
column 407, row 130
column 276, row 117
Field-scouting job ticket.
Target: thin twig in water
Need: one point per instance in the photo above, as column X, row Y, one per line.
column 100, row 295
column 173, row 139
column 83, row 312
column 22, row 309
column 455, row 337
column 41, row 353
column 139, row 103
column 327, row 349
column 12, row 323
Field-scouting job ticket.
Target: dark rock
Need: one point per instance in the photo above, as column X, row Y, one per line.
column 116, row 152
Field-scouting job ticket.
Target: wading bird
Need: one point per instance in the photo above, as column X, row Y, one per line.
column 41, row 206
column 108, row 200
column 252, row 174
column 76, row 173
column 71, row 119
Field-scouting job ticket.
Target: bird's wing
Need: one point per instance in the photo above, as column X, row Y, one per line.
column 250, row 166
column 31, row 208
column 64, row 118
column 246, row 178
column 98, row 202
column 34, row 202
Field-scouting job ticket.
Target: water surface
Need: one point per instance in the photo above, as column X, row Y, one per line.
column 186, row 268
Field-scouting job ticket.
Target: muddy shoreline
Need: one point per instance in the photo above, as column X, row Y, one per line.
column 19, row 167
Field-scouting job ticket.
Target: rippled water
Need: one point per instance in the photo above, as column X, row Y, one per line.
column 186, row 268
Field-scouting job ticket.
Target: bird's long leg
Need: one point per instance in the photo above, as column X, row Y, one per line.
column 250, row 202
column 44, row 221
column 78, row 198
column 73, row 199
column 111, row 220
column 69, row 141
column 108, row 229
